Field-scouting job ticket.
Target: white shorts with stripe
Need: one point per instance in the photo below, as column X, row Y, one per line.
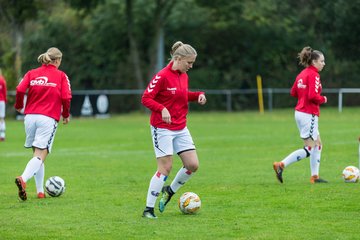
column 166, row 142
column 40, row 131
column 2, row 109
column 308, row 125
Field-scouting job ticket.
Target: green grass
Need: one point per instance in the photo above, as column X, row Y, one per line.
column 107, row 165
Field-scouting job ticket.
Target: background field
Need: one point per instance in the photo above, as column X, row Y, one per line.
column 107, row 165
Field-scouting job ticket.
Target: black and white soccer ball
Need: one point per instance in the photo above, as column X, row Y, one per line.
column 55, row 186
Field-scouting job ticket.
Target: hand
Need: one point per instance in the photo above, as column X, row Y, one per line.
column 202, row 99
column 19, row 110
column 166, row 116
column 66, row 120
column 325, row 99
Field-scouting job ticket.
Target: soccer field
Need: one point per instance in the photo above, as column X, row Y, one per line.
column 107, row 165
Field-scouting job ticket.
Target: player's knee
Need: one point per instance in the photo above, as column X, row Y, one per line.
column 193, row 167
column 307, row 150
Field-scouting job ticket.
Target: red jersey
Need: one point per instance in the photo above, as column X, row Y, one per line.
column 169, row 89
column 48, row 92
column 307, row 89
column 3, row 93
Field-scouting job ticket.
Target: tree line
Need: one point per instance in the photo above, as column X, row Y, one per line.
column 120, row 44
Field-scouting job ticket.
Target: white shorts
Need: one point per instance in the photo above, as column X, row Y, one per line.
column 166, row 142
column 40, row 131
column 308, row 125
column 2, row 109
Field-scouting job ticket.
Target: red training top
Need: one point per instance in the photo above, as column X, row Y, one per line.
column 3, row 89
column 307, row 89
column 49, row 91
column 169, row 89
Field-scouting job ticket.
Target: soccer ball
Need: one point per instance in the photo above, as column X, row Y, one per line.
column 351, row 174
column 55, row 186
column 189, row 203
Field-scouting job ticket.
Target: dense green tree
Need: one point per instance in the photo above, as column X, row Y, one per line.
column 111, row 44
column 14, row 15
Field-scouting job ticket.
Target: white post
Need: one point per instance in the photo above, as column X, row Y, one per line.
column 340, row 100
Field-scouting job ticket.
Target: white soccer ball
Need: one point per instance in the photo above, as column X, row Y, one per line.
column 351, row 174
column 189, row 203
column 55, row 186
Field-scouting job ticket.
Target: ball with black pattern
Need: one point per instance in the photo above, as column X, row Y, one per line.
column 55, row 186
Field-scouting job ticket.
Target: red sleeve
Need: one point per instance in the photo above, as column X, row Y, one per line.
column 150, row 93
column 19, row 102
column 293, row 91
column 66, row 108
column 24, row 83
column 315, row 89
column 65, row 87
column 5, row 91
column 193, row 96
column 21, row 90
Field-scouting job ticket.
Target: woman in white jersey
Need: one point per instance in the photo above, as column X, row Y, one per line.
column 307, row 89
column 48, row 97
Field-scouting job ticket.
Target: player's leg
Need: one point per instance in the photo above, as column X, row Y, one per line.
column 2, row 121
column 185, row 148
column 305, row 126
column 162, row 142
column 40, row 132
column 39, row 181
column 191, row 164
column 2, row 129
column 315, row 162
column 156, row 184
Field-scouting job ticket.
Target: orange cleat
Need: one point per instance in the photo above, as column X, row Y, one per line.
column 22, row 186
column 41, row 195
column 279, row 168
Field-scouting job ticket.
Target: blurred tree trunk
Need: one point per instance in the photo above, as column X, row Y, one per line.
column 17, row 41
column 16, row 14
column 7, row 13
column 134, row 53
column 156, row 52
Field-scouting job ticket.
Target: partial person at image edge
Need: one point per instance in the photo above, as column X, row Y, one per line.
column 3, row 101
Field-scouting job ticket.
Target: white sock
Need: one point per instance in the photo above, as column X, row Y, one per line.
column 315, row 161
column 31, row 168
column 39, row 179
column 156, row 184
column 182, row 176
column 2, row 129
column 296, row 156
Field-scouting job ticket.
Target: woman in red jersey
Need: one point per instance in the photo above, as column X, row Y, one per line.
column 3, row 100
column 48, row 97
column 167, row 96
column 307, row 89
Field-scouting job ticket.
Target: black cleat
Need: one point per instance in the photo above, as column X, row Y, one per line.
column 149, row 213
column 316, row 179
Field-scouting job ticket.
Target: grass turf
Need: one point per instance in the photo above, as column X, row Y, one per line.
column 107, row 165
